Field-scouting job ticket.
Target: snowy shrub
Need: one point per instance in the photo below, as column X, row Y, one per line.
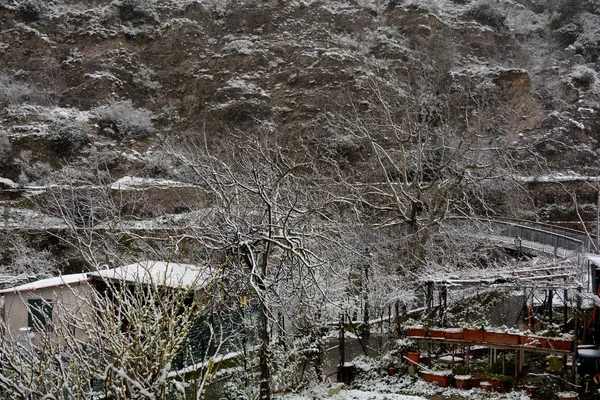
column 5, row 147
column 14, row 92
column 31, row 10
column 568, row 34
column 487, row 15
column 583, row 77
column 137, row 10
column 241, row 46
column 564, row 11
column 588, row 45
column 122, row 120
column 68, row 136
column 239, row 390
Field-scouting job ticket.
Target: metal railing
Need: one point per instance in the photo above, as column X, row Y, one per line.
column 561, row 242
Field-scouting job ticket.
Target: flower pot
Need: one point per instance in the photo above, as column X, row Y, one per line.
column 442, row 380
column 533, row 341
column 413, row 357
column 531, row 391
column 462, row 381
column 454, row 333
column 568, row 396
column 560, row 344
column 501, row 338
column 436, row 333
column 485, row 386
column 415, row 331
column 473, row 335
column 502, row 385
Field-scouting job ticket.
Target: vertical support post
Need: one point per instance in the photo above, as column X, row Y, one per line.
column 444, row 305
column 397, row 316
column 517, row 364
column 366, row 324
column 550, row 296
column 467, row 357
column 429, row 301
column 342, row 342
column 565, row 311
column 577, row 333
column 598, row 217
column 453, row 353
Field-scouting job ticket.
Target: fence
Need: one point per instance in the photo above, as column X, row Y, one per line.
column 560, row 242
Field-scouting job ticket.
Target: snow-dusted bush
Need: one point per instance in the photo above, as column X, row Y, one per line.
column 583, row 76
column 241, row 46
column 568, row 34
column 14, row 92
column 564, row 11
column 31, row 10
column 137, row 10
column 68, row 136
column 588, row 43
column 487, row 15
column 5, row 147
column 120, row 119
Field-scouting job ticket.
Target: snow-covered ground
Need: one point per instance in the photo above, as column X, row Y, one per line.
column 396, row 388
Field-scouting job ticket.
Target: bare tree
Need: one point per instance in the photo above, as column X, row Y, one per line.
column 266, row 221
column 423, row 159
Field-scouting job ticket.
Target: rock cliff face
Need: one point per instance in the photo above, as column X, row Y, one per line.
column 98, row 87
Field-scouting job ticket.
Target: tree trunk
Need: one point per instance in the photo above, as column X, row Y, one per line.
column 264, row 355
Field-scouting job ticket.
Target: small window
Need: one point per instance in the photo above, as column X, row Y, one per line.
column 40, row 313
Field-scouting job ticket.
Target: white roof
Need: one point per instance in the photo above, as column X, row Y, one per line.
column 157, row 273
column 50, row 282
column 594, row 258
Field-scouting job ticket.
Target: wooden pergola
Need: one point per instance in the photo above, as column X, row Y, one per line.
column 555, row 277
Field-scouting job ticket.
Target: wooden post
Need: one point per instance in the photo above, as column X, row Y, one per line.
column 397, row 312
column 444, row 306
column 550, row 295
column 467, row 357
column 565, row 310
column 577, row 333
column 342, row 341
column 517, row 364
column 429, row 301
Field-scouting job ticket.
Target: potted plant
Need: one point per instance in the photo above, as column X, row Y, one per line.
column 501, row 337
column 462, row 381
column 556, row 339
column 502, row 383
column 415, row 331
column 436, row 333
column 413, row 357
column 443, row 377
column 568, row 396
column 533, row 340
column 454, row 333
column 485, row 386
column 560, row 344
column 473, row 334
column 531, row 390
